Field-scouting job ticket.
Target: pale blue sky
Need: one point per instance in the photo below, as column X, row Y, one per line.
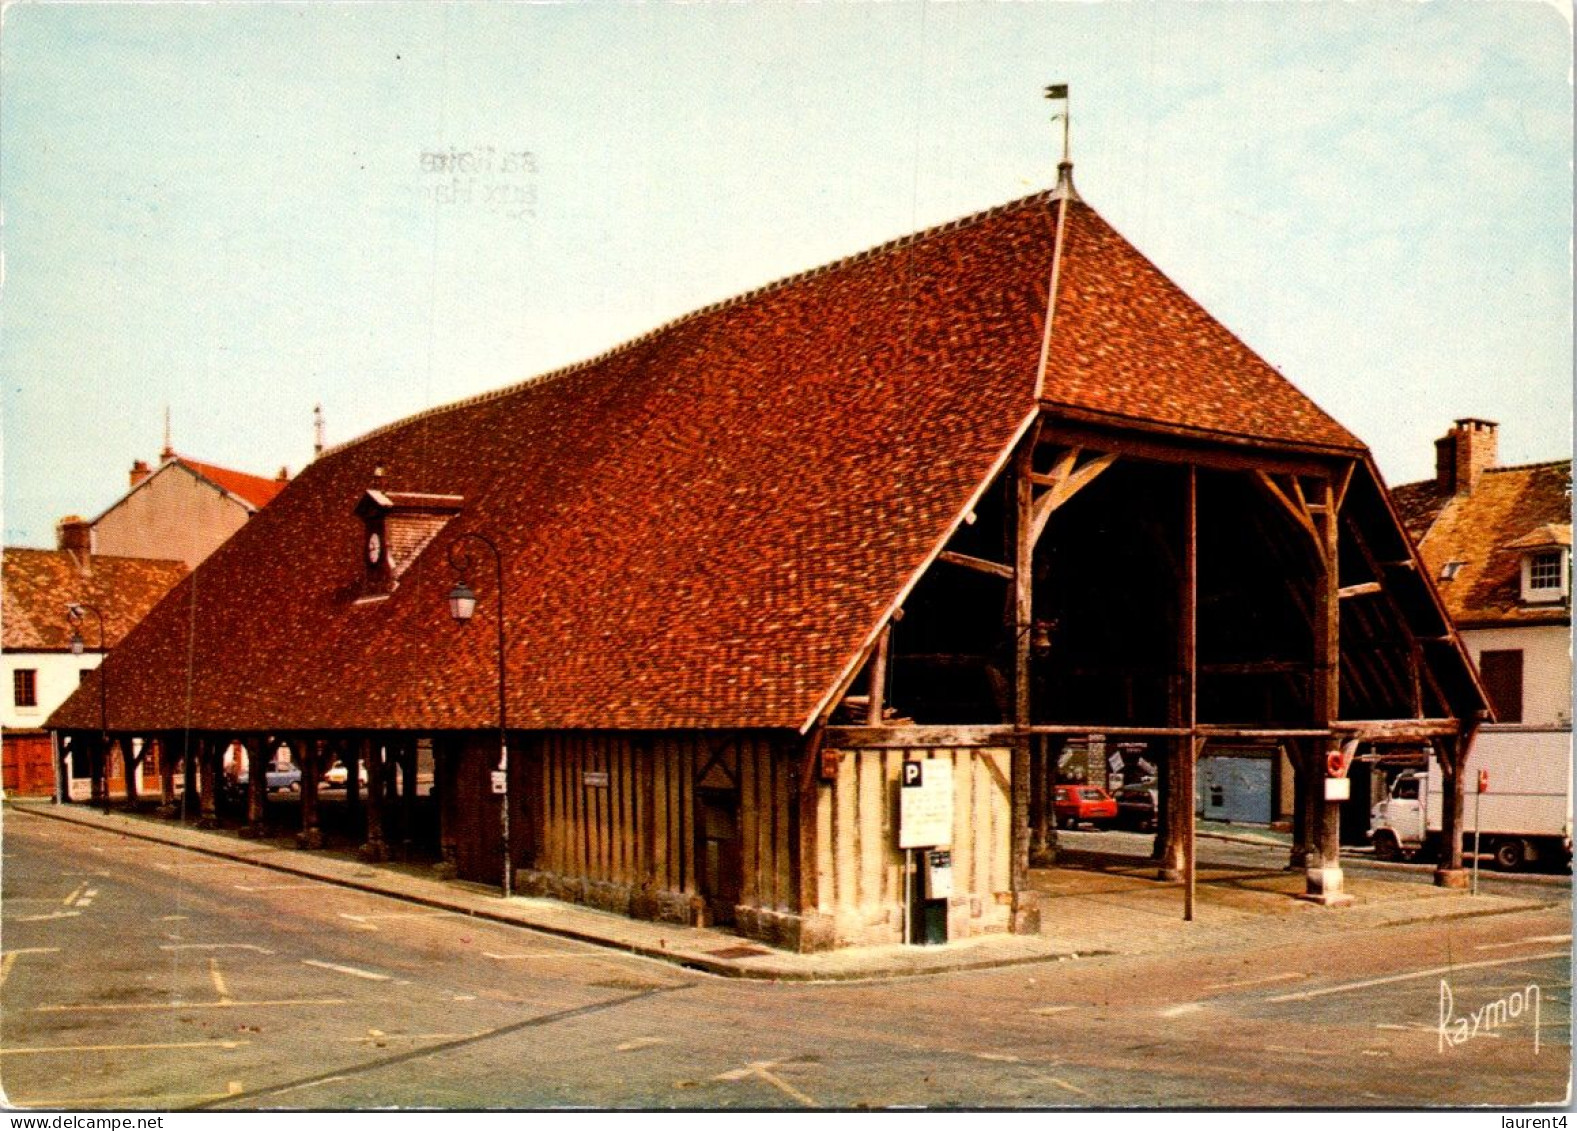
column 223, row 208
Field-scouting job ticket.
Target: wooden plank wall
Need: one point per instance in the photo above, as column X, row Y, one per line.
column 861, row 869
column 639, row 830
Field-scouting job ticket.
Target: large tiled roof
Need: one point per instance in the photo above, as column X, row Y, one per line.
column 39, row 584
column 252, row 489
column 1488, row 531
column 704, row 527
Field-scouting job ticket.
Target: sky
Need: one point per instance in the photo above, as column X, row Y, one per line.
column 232, row 213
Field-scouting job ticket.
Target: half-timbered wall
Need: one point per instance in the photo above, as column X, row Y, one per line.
column 860, row 868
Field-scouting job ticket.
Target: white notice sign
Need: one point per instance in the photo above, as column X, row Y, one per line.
column 925, row 804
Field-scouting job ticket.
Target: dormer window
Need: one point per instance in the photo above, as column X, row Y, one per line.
column 1544, row 576
column 396, row 527
column 1450, row 570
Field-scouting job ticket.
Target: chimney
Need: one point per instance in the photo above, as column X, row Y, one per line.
column 139, row 471
column 74, row 534
column 1463, row 453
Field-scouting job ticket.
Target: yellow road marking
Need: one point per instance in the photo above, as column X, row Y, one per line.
column 536, row 954
column 51, row 915
column 123, row 1048
column 412, row 1037
column 1063, row 1084
column 763, row 1070
column 1179, row 1010
column 11, row 956
column 1048, row 1010
column 1524, row 942
column 218, row 979
column 72, row 898
column 638, row 1043
column 215, row 946
column 225, row 1004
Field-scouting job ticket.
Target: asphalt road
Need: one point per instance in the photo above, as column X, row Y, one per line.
column 141, row 976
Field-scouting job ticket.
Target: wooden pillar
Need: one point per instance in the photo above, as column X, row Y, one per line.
column 1188, row 641
column 309, row 759
column 1452, row 756
column 1026, row 912
column 1298, row 858
column 212, row 754
column 371, row 752
column 258, row 759
column 408, row 797
column 877, row 686
column 446, row 757
column 168, row 752
column 98, row 788
column 191, row 748
column 1040, row 807
column 1324, row 870
column 350, row 754
column 130, row 762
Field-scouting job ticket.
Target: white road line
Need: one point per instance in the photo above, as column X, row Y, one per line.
column 998, row 1056
column 763, row 1069
column 215, row 946
column 351, row 970
column 1179, row 1010
column 1063, row 1084
column 78, row 890
column 130, row 1102
column 537, row 954
column 274, row 887
column 638, row 1043
column 1431, row 973
column 412, row 1037
column 44, row 1049
column 1255, row 981
column 51, row 915
column 1524, row 942
column 227, row 1004
column 1048, row 1010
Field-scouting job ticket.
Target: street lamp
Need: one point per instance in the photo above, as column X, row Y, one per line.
column 462, row 606
column 74, row 613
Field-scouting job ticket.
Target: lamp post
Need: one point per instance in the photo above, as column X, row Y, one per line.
column 462, row 606
column 74, row 613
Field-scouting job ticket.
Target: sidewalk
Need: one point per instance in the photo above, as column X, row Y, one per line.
column 1101, row 906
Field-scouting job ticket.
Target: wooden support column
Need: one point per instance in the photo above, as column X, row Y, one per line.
column 371, row 752
column 310, row 760
column 98, row 786
column 168, row 752
column 1188, row 633
column 446, row 759
column 191, row 800
column 408, row 798
column 877, row 688
column 254, row 750
column 1040, row 808
column 350, row 754
column 130, row 762
column 1451, row 753
column 1324, row 870
column 1026, row 912
column 1298, row 858
column 211, row 752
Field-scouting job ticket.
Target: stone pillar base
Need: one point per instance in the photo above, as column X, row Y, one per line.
column 1326, row 888
column 373, row 853
column 309, row 838
column 1042, row 855
column 1026, row 913
column 1170, row 875
column 448, row 870
column 1298, row 859
column 1452, row 878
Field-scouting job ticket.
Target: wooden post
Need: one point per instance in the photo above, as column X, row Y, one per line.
column 258, row 761
column 130, row 762
column 408, row 798
column 167, row 756
column 446, row 757
column 1298, row 858
column 1039, row 807
column 211, row 752
column 878, row 680
column 309, row 759
column 1452, row 756
column 350, row 754
column 374, row 848
column 1324, row 871
column 191, row 748
column 1188, row 631
column 1026, row 913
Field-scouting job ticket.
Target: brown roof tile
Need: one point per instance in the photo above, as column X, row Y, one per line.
column 703, row 527
column 1482, row 530
column 39, row 584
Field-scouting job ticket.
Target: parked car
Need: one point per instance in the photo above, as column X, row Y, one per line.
column 1087, row 803
column 287, row 779
column 338, row 776
column 1137, row 806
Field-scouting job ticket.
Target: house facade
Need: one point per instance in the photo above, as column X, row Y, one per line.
column 1497, row 541
column 37, row 668
column 782, row 615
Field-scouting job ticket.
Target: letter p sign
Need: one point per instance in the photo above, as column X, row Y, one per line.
column 911, row 775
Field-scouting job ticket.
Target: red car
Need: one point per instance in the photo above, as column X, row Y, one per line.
column 1087, row 803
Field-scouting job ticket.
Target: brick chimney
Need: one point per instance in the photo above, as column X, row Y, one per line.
column 1462, row 454
column 74, row 534
column 139, row 471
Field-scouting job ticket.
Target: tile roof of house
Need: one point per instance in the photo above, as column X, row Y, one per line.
column 706, row 526
column 1488, row 531
column 252, row 489
column 39, row 584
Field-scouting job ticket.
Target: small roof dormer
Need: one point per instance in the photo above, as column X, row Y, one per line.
column 1546, row 563
column 396, row 527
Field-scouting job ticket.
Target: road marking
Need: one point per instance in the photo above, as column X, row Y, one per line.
column 124, row 1048
column 1524, row 942
column 351, row 970
column 382, row 1037
column 537, row 954
column 215, row 946
column 1302, row 1052
column 1435, row 972
column 998, row 1056
column 1048, row 1010
column 218, row 979
column 1063, row 1084
column 363, row 922
column 132, row 1102
column 1179, row 1010
column 11, row 956
column 1255, row 981
column 227, row 1004
column 72, row 898
column 170, row 918
column 763, row 1070
column 51, row 915
column 310, row 1084
column 638, row 1043
column 273, row 887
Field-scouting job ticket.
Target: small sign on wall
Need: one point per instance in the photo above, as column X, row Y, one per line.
column 925, row 804
column 595, row 779
column 1338, row 789
column 498, row 781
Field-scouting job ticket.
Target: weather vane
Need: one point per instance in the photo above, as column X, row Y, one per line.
column 1058, row 92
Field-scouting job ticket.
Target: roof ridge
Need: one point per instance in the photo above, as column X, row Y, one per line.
column 1530, row 466
column 631, row 344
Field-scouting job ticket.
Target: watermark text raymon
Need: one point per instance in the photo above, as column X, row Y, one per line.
column 1460, row 1028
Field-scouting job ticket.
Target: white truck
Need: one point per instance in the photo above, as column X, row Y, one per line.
column 1524, row 817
